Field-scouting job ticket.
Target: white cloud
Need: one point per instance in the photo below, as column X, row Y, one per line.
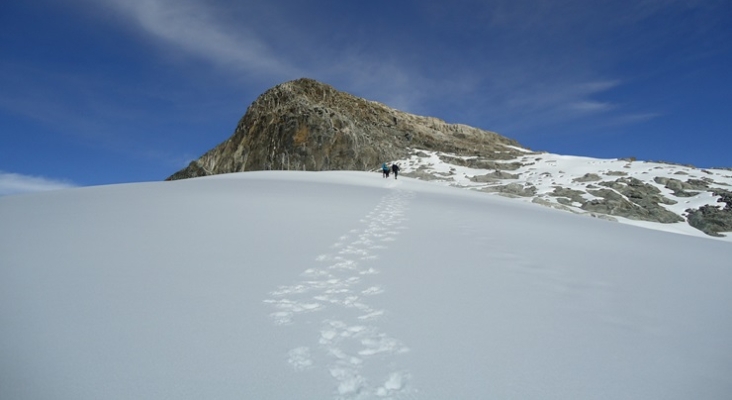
column 11, row 183
column 591, row 106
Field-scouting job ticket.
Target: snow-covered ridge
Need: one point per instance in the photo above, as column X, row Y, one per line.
column 585, row 185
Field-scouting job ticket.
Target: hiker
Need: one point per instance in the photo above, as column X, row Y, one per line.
column 385, row 170
column 395, row 169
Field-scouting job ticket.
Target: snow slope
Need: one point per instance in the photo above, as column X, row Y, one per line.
column 344, row 285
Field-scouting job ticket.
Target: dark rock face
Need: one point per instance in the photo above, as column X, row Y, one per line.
column 713, row 220
column 568, row 196
column 425, row 176
column 697, row 184
column 512, row 190
column 642, row 201
column 307, row 125
column 638, row 192
column 484, row 162
column 680, row 188
column 588, row 178
column 494, row 176
column 624, row 208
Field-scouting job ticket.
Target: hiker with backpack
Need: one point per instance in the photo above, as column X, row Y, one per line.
column 395, row 169
column 385, row 170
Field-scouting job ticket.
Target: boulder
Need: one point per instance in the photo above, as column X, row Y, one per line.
column 697, row 184
column 512, row 189
column 713, row 220
column 494, row 176
column 588, row 177
column 480, row 163
column 639, row 192
column 571, row 195
column 423, row 175
column 640, row 208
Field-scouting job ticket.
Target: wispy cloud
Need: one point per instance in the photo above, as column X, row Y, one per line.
column 523, row 103
column 195, row 28
column 539, row 64
column 627, row 119
column 11, row 183
column 557, row 96
column 589, row 106
column 202, row 30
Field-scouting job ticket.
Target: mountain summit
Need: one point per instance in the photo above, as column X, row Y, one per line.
column 308, row 125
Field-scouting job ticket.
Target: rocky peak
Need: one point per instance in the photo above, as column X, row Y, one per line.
column 308, row 125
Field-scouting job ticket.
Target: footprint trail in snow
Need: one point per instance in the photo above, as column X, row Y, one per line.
column 341, row 283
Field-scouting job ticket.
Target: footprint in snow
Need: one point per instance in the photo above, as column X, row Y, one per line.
column 338, row 283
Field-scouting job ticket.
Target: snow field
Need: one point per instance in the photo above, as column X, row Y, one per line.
column 345, row 285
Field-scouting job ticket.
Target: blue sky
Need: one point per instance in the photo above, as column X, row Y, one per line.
column 110, row 91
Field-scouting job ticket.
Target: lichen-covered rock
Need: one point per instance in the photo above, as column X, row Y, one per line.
column 697, row 184
column 588, row 177
column 307, row 125
column 494, row 176
column 512, row 189
column 487, row 178
column 571, row 195
column 547, row 203
column 606, row 194
column 638, row 191
column 565, row 201
column 624, row 208
column 422, row 175
column 636, row 207
column 684, row 193
column 480, row 163
column 713, row 220
column 678, row 187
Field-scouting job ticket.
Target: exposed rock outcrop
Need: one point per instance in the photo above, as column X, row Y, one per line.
column 713, row 220
column 512, row 190
column 307, row 125
column 638, row 192
column 634, row 199
column 483, row 162
column 494, row 176
column 679, row 188
column 620, row 207
column 571, row 195
column 588, row 177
